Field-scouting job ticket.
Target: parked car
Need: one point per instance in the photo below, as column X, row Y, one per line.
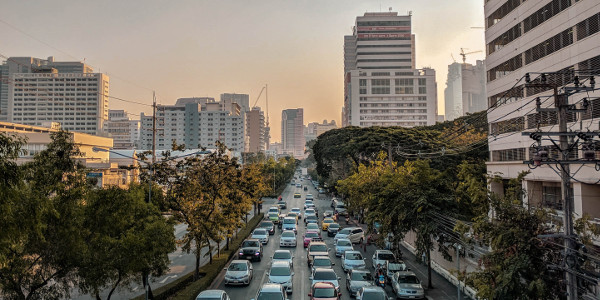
column 281, row 272
column 261, row 234
column 251, row 249
column 238, row 272
column 322, row 262
column 356, row 279
column 353, row 260
column 371, row 293
column 324, row 291
column 325, row 275
column 341, row 246
column 406, row 285
column 268, row 225
column 212, row 295
column 380, row 257
column 283, row 255
column 270, row 291
column 289, row 223
column 393, row 267
column 316, row 248
column 333, row 229
column 309, row 236
column 288, row 239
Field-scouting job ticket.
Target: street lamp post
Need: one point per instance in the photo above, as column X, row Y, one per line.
column 457, row 248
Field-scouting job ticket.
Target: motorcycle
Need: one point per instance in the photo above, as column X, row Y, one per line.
column 381, row 280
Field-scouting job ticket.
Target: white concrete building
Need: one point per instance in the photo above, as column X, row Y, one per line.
column 314, row 129
column 292, row 132
column 382, row 86
column 465, row 90
column 534, row 37
column 124, row 131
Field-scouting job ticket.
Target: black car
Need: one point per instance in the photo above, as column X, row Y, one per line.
column 333, row 229
column 268, row 225
column 251, row 249
column 282, row 204
column 305, row 188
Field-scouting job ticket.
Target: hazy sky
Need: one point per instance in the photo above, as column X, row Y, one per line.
column 205, row 48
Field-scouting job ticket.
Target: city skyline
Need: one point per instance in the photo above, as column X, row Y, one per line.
column 204, row 49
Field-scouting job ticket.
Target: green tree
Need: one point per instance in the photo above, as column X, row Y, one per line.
column 126, row 237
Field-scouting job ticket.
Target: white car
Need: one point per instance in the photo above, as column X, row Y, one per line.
column 270, row 291
column 381, row 256
column 325, row 275
column 322, row 262
column 309, row 212
column 371, row 292
column 283, row 255
column 274, row 209
column 288, row 239
column 341, row 246
column 406, row 285
column 312, row 226
column 238, row 272
column 261, row 234
column 281, row 272
column 212, row 295
column 289, row 223
column 353, row 260
column 355, row 234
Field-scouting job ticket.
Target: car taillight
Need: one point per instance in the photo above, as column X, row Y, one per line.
column 257, row 253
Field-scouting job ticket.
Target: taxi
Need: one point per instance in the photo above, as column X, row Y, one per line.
column 297, row 195
column 326, row 223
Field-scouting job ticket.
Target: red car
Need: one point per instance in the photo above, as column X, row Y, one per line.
column 309, row 236
column 324, row 291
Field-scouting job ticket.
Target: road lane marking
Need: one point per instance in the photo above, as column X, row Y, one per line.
column 167, row 278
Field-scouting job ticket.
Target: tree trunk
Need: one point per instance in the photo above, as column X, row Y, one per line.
column 209, row 253
column 197, row 270
column 429, row 285
column 227, row 243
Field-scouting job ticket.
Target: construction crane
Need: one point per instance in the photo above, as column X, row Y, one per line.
column 464, row 55
column 266, row 90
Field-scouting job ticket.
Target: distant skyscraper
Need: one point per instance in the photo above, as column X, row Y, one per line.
column 255, row 130
column 465, row 89
column 314, row 129
column 381, row 85
column 292, row 132
column 243, row 100
column 124, row 131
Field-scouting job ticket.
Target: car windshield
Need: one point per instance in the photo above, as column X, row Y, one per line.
column 386, row 256
column 310, row 211
column 353, row 256
column 325, row 293
column 270, row 296
column 325, row 275
column 250, row 244
column 361, row 276
column 266, row 224
column 295, row 209
column 340, row 205
column 288, row 234
column 374, row 295
column 322, row 262
column 260, row 232
column 318, row 248
column 282, row 255
column 344, row 243
column 396, row 267
column 280, row 271
column 311, row 234
column 289, row 221
column 311, row 217
column 408, row 279
column 328, row 221
column 312, row 226
column 345, row 231
column 238, row 267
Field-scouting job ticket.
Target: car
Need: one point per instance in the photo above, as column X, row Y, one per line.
column 325, row 275
column 297, row 211
column 311, row 219
column 288, row 239
column 328, row 214
column 305, row 188
column 340, row 208
column 371, row 293
column 289, row 224
column 298, row 185
column 309, row 236
column 292, row 183
column 316, row 248
column 238, row 272
column 393, row 267
column 322, row 262
column 381, row 256
column 326, row 222
column 261, row 234
column 297, row 195
column 281, row 204
column 213, row 295
column 324, row 291
column 310, row 212
column 274, row 209
column 309, row 197
column 294, row 215
column 321, row 191
column 281, row 272
column 268, row 225
column 341, row 246
column 353, row 260
column 281, row 217
column 312, row 226
column 355, row 234
column 270, row 291
column 309, row 204
column 273, row 217
column 333, row 229
column 356, row 279
column 283, row 255
column 251, row 249
column 406, row 285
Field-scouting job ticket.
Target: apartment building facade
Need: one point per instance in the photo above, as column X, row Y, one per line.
column 292, row 132
column 256, row 130
column 314, row 129
column 124, row 131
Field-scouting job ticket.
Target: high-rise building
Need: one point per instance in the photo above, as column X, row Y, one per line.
column 195, row 122
column 557, row 37
column 382, row 86
column 124, row 131
column 255, row 130
column 465, row 89
column 314, row 129
column 243, row 100
column 292, row 132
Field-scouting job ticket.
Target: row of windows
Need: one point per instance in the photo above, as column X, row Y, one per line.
column 55, row 79
column 389, row 38
column 383, row 23
column 405, row 98
column 393, row 111
column 381, row 53
column 383, row 31
column 393, row 117
column 545, row 13
column 383, row 60
column 384, row 46
column 393, row 104
column 515, row 154
column 502, row 11
column 393, row 123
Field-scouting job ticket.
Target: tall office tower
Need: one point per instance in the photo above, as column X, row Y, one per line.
column 292, row 132
column 124, row 131
column 195, row 122
column 29, row 65
column 314, row 129
column 382, row 87
column 540, row 37
column 465, row 89
column 255, row 130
